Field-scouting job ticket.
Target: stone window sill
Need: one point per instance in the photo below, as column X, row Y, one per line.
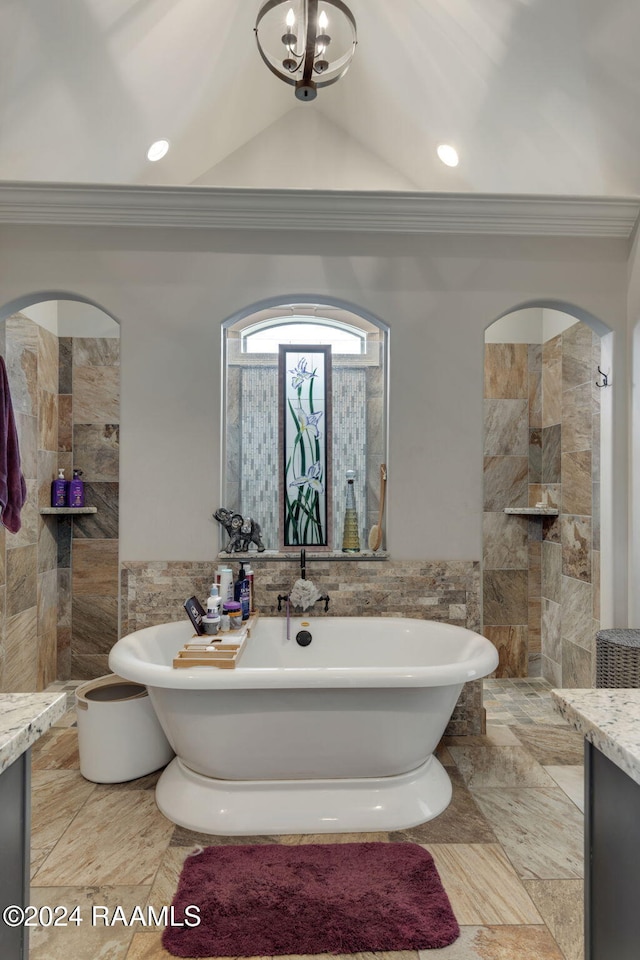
column 275, row 555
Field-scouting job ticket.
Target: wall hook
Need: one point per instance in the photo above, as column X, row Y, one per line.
column 605, row 379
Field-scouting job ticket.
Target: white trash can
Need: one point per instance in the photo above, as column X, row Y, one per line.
column 119, row 735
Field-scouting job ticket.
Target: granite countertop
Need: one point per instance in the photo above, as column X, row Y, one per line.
column 24, row 717
column 609, row 719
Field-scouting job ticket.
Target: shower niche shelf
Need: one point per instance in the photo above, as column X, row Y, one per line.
column 52, row 511
column 532, row 511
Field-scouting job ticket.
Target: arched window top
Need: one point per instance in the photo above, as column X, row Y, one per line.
column 353, row 424
column 266, row 335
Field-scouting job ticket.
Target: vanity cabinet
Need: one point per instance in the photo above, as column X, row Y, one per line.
column 610, row 723
column 612, row 860
column 15, row 788
column 24, row 717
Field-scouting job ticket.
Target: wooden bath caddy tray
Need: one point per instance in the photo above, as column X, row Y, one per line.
column 225, row 653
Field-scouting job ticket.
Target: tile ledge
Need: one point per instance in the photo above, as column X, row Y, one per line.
column 51, row 511
column 532, row 511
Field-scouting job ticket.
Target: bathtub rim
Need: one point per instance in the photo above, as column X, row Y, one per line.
column 126, row 661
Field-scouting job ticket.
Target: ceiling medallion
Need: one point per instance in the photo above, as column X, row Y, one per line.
column 306, row 43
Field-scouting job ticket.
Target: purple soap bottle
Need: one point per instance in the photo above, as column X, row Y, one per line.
column 76, row 490
column 59, row 490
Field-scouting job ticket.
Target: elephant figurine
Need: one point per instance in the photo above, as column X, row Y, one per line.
column 241, row 530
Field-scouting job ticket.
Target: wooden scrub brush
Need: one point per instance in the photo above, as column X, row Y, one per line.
column 375, row 534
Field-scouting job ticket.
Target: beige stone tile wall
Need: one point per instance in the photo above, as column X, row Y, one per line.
column 448, row 591
column 28, row 610
column 512, row 475
column 38, row 593
column 88, row 553
column 541, row 578
column 570, row 557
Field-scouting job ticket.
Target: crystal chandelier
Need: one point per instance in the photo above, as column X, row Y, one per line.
column 306, row 43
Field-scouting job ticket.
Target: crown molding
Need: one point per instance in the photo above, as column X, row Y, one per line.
column 72, row 204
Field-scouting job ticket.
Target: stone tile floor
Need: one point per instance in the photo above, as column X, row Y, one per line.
column 521, row 701
column 508, row 848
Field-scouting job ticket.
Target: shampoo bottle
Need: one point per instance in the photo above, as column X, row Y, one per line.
column 241, row 593
column 249, row 575
column 59, row 490
column 76, row 490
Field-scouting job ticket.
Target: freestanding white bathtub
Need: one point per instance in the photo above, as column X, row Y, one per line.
column 337, row 736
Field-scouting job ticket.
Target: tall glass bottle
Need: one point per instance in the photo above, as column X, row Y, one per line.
column 350, row 536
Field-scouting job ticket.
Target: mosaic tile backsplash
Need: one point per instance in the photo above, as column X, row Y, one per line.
column 447, row 591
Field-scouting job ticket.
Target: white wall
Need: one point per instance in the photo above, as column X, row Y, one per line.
column 72, row 318
column 521, row 326
column 83, row 320
column 534, row 325
column 285, row 155
column 171, row 289
column 633, row 400
column 45, row 314
column 554, row 322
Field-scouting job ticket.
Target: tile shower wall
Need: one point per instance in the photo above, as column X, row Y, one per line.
column 89, row 401
column 540, row 578
column 512, row 474
column 571, row 481
column 28, row 596
column 59, row 575
column 153, row 592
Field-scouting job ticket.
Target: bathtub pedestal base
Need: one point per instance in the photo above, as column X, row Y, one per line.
column 252, row 807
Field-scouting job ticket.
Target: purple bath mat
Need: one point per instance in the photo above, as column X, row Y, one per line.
column 275, row 899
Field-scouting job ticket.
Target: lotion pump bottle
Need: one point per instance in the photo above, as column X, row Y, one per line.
column 75, row 492
column 213, row 602
column 59, row 490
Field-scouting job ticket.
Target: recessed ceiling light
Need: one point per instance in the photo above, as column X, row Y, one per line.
column 157, row 150
column 448, row 154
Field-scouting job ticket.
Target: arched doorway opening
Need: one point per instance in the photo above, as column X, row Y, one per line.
column 60, row 571
column 546, row 437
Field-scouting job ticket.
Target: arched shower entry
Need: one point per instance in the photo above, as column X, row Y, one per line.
column 547, row 447
column 60, row 619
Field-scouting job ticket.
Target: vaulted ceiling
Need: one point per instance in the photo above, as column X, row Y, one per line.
column 538, row 96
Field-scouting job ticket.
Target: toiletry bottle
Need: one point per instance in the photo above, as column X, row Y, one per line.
column 351, row 537
column 213, row 601
column 59, row 490
column 233, row 610
column 241, row 592
column 75, row 492
column 249, row 575
column 224, row 578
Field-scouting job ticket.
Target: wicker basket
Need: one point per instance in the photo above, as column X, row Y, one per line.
column 618, row 658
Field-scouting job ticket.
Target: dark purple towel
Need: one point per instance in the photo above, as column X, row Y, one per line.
column 13, row 489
